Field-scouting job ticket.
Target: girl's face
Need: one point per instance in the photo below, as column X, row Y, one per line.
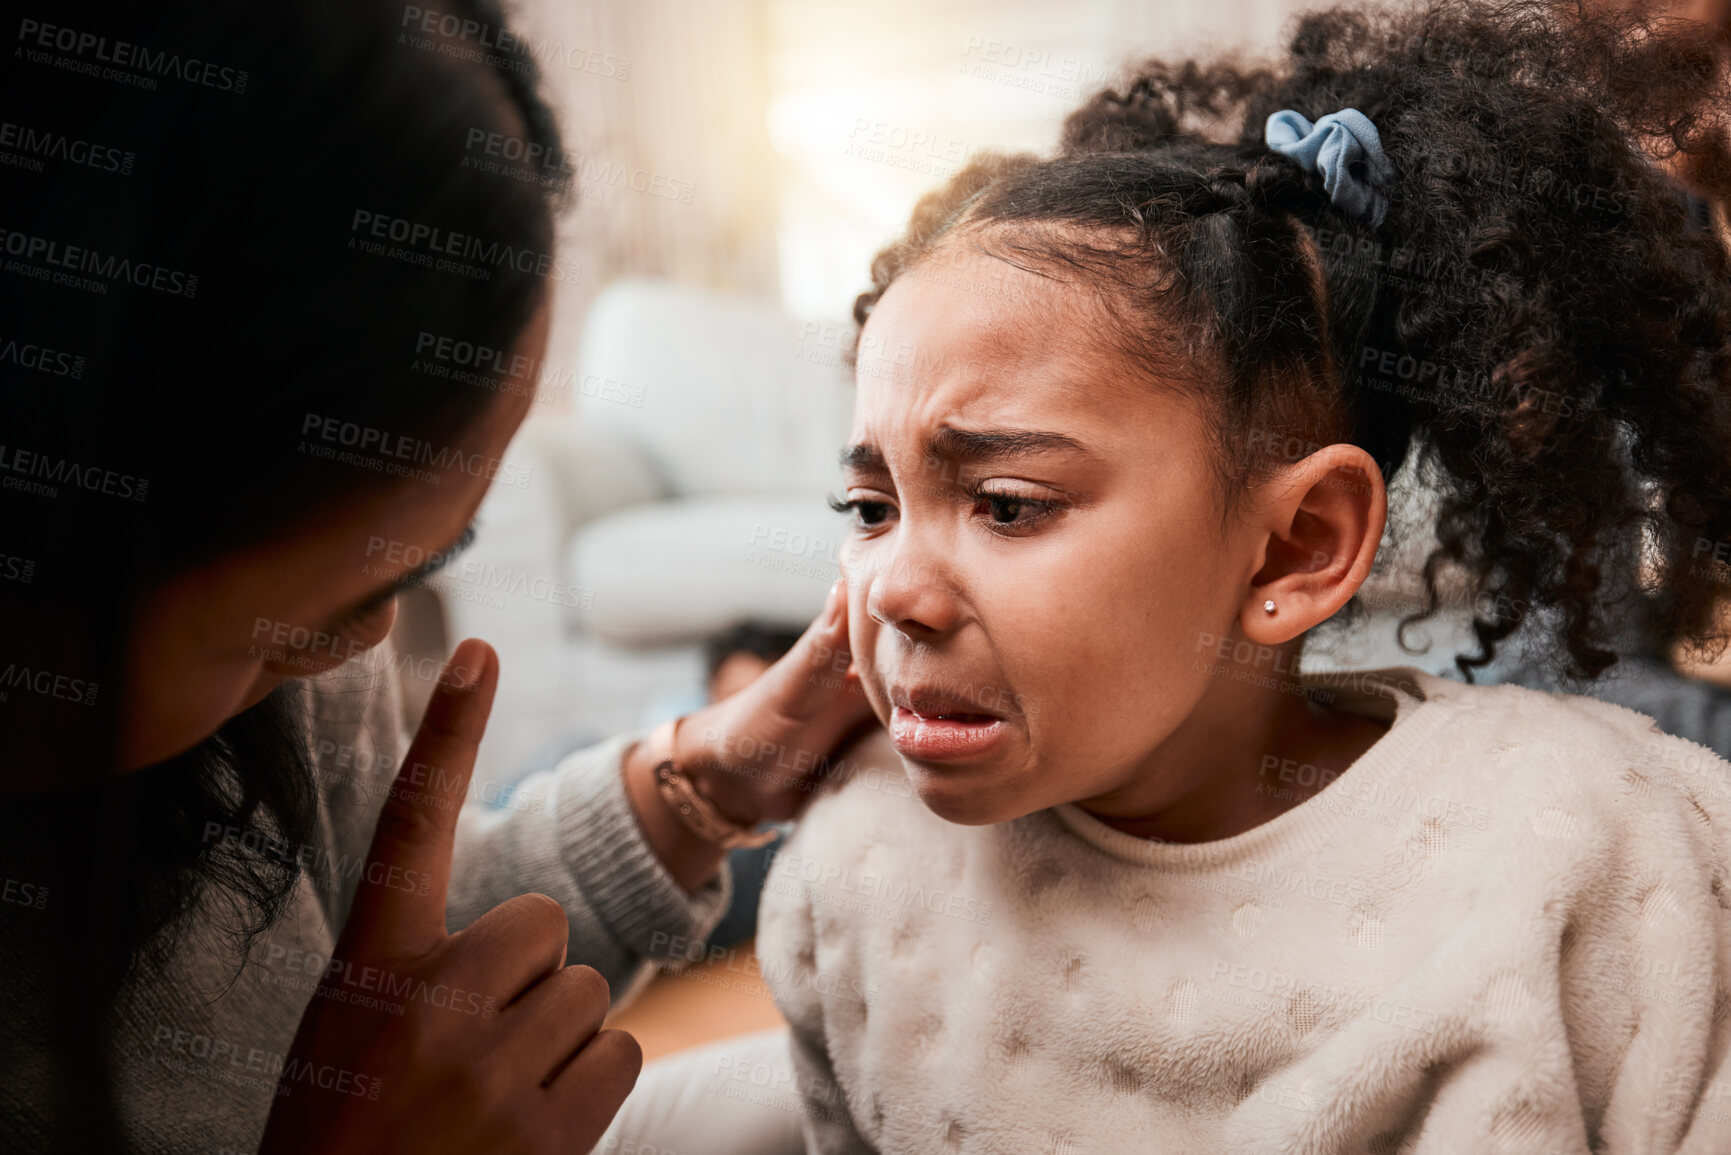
column 1037, row 567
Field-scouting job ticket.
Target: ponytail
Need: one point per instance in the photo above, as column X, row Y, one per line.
column 1534, row 328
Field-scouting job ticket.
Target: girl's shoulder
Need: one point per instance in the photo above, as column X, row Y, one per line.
column 1587, row 747
column 1553, row 762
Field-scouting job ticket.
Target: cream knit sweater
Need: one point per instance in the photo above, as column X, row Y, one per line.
column 1503, row 929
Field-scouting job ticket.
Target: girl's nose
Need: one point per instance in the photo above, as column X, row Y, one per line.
column 909, row 592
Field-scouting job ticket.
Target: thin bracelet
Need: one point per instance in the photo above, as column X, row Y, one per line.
column 695, row 811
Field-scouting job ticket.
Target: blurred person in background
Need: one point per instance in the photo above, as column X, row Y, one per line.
column 734, row 659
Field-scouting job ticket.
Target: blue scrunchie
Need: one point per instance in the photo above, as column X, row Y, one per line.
column 1334, row 146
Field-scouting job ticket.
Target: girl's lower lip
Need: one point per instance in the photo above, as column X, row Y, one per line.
column 943, row 739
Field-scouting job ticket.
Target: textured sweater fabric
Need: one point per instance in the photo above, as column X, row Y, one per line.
column 1503, row 929
column 199, row 1051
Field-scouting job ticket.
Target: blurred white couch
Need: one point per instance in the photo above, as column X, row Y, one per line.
column 685, row 491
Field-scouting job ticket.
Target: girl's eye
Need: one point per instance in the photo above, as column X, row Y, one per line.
column 867, row 514
column 1003, row 509
column 1011, row 509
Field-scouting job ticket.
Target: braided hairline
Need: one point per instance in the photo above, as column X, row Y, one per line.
column 1326, row 413
column 1316, row 277
column 1317, row 282
column 917, row 242
column 1326, row 416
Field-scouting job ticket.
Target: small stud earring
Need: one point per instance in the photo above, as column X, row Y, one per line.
column 1268, row 605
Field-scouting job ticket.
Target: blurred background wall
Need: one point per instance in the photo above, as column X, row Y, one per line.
column 768, row 147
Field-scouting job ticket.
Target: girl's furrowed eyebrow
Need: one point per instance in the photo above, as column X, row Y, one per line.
column 434, row 563
column 996, row 444
column 864, row 457
column 968, row 445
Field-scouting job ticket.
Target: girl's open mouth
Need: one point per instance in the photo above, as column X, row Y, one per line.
column 945, row 737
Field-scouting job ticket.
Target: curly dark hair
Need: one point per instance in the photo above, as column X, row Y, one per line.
column 1537, row 322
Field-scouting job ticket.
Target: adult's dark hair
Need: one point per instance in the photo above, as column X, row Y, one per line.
column 1537, row 321
column 195, row 269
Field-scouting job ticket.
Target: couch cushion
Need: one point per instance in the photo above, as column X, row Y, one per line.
column 722, row 395
column 675, row 571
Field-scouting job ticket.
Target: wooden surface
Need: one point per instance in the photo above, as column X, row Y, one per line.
column 711, row 1000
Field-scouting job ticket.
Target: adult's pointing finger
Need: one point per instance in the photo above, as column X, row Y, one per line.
column 399, row 906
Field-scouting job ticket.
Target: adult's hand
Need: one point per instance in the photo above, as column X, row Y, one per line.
column 758, row 755
column 498, row 1045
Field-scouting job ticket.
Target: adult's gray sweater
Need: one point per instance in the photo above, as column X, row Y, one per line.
column 198, row 1051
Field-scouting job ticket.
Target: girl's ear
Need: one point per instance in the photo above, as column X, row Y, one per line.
column 1320, row 521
